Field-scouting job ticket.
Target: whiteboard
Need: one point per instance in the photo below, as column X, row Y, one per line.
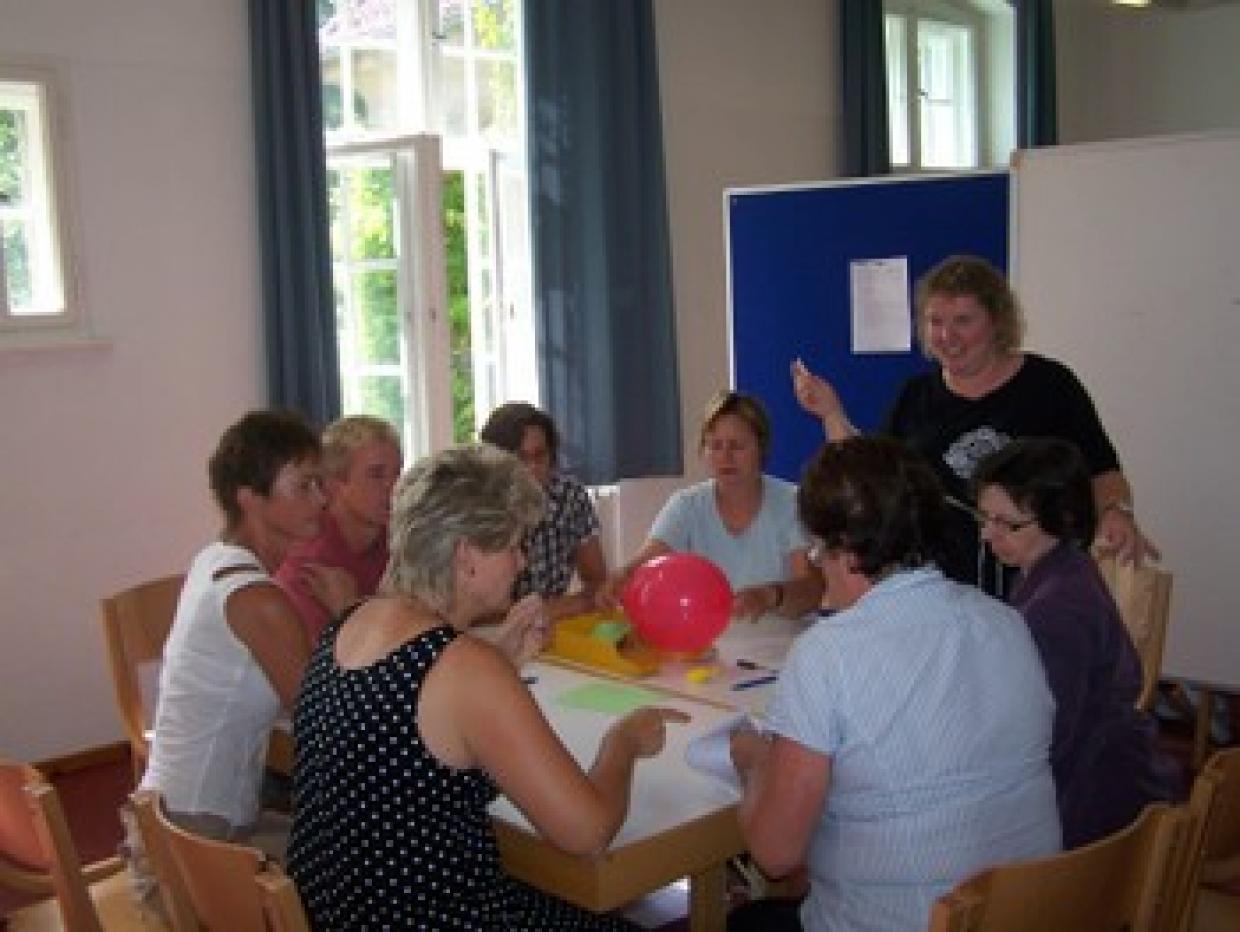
column 1126, row 256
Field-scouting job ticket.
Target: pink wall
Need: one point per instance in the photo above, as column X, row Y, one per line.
column 102, row 478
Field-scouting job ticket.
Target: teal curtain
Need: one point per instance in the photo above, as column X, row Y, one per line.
column 602, row 267
column 291, row 173
column 1036, row 115
column 864, row 88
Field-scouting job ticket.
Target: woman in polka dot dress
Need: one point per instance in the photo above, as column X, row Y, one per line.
column 406, row 730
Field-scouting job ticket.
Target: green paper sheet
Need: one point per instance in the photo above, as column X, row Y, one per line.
column 608, row 698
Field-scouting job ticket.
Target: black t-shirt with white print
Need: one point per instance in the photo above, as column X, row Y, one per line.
column 1043, row 399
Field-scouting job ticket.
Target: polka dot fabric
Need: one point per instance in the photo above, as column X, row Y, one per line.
column 384, row 836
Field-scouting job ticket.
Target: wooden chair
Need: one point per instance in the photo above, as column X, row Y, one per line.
column 1117, row 883
column 225, row 887
column 136, row 623
column 1143, row 595
column 173, row 894
column 37, row 856
column 1213, row 856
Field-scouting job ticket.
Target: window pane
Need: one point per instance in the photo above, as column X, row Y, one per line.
column 452, row 104
column 13, row 132
column 382, row 396
column 378, row 324
column 947, row 113
column 333, row 109
column 497, row 99
column 17, row 266
column 452, row 22
column 493, row 24
column 374, row 89
column 370, row 209
column 895, row 41
column 325, row 10
column 335, row 207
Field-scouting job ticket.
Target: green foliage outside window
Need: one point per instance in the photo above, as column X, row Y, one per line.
column 457, row 262
column 12, row 233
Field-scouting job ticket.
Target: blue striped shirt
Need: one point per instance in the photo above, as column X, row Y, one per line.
column 931, row 702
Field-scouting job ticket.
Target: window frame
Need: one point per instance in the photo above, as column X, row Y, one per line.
column 959, row 13
column 68, row 323
column 421, row 288
column 502, row 367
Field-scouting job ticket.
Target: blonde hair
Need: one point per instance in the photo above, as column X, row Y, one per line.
column 344, row 437
column 958, row 276
column 476, row 493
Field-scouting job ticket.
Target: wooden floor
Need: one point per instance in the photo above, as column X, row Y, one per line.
column 92, row 795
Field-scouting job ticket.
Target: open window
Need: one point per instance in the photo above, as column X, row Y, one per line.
column 396, row 75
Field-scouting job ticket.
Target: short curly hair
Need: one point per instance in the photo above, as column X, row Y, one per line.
column 875, row 498
column 252, row 452
column 957, row 276
column 345, row 436
column 476, row 493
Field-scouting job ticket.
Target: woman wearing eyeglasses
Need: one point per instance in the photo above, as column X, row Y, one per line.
column 984, row 392
column 741, row 519
column 1036, row 512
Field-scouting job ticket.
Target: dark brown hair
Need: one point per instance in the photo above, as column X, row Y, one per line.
column 875, row 498
column 1047, row 477
column 252, row 452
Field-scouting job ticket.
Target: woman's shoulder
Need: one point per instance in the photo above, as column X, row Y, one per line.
column 779, row 492
column 693, row 496
column 1044, row 370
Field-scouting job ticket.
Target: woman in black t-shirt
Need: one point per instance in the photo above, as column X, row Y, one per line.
column 984, row 393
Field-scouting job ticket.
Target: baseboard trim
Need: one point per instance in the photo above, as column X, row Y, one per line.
column 80, row 760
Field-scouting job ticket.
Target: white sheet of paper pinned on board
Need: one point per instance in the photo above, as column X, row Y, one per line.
column 881, row 312
column 711, row 751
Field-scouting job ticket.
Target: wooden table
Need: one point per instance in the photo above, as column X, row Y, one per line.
column 681, row 823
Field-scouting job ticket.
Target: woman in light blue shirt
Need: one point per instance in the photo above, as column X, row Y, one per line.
column 741, row 519
column 910, row 731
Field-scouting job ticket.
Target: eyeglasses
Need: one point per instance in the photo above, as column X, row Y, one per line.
column 1007, row 525
column 817, row 551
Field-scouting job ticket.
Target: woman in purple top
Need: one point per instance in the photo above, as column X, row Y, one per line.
column 1036, row 510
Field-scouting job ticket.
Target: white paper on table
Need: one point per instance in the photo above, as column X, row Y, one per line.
column 881, row 313
column 711, row 751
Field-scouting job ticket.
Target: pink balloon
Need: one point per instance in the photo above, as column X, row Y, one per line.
column 678, row 602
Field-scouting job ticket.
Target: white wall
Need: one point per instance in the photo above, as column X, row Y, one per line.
column 749, row 96
column 102, row 482
column 1125, row 73
column 103, row 479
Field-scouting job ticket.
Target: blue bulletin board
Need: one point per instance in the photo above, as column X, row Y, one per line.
column 790, row 254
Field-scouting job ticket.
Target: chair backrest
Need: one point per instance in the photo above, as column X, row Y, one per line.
column 36, row 850
column 136, row 623
column 281, row 903
column 1116, row 883
column 1210, row 809
column 1143, row 594
column 178, row 910
column 1221, row 841
column 229, row 887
